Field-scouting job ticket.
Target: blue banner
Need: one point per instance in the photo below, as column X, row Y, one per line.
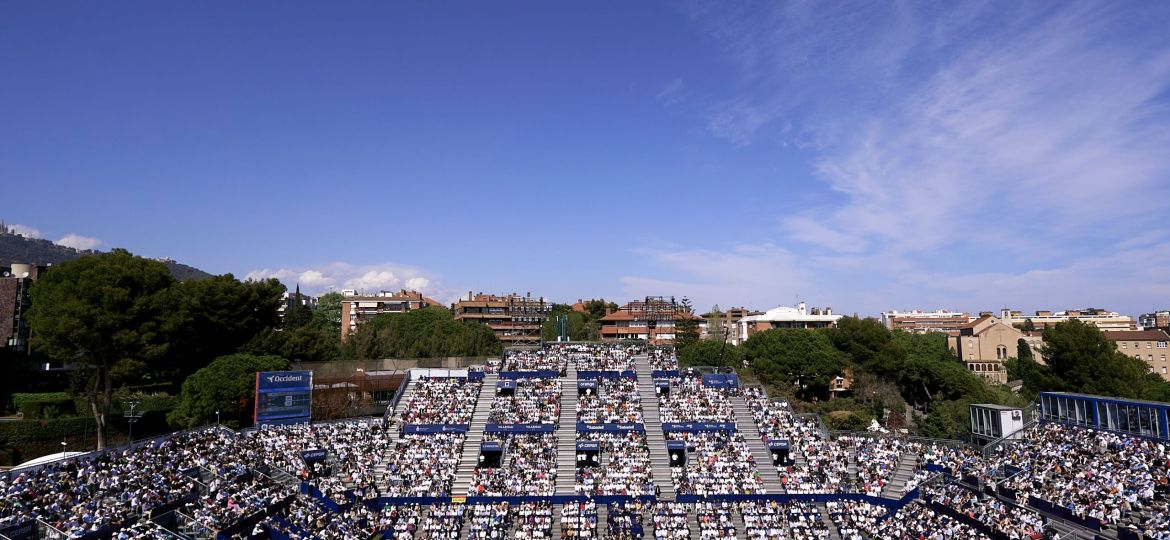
column 668, row 427
column 661, row 384
column 283, row 397
column 664, row 374
column 434, row 428
column 676, row 445
column 778, row 444
column 607, row 374
column 310, row 456
column 538, row 374
column 582, row 427
column 594, row 446
column 721, row 380
column 25, row 530
column 491, row 446
column 509, row 384
column 475, row 375
column 582, row 385
column 520, row 428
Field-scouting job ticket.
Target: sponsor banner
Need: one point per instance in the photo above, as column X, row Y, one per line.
column 520, row 428
column 314, row 455
column 581, row 385
column 538, row 374
column 676, row 445
column 283, row 397
column 475, row 375
column 664, row 374
column 25, row 530
column 778, row 444
column 582, row 427
column 607, row 374
column 721, row 380
column 491, row 446
column 661, row 383
column 434, row 428
column 697, row 426
column 594, row 446
column 509, row 385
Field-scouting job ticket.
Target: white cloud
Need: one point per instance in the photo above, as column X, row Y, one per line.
column 368, row 278
column 77, row 241
column 25, row 230
column 673, row 93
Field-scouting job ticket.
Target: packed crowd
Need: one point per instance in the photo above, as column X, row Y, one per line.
column 690, row 401
column 773, row 520
column 422, row 465
column 854, row 519
column 624, row 521
column 529, row 468
column 1012, row 521
column 549, row 358
column 715, row 520
column 614, row 401
column 592, row 356
column 308, row 519
column 440, row 400
column 488, row 521
column 916, row 521
column 444, row 521
column 1120, row 480
column 625, row 465
column 534, row 401
column 718, row 462
column 662, row 359
column 399, row 522
column 877, row 459
column 533, row 521
column 579, row 520
column 672, row 521
column 354, row 449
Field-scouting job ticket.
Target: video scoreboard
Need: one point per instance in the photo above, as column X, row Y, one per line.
column 283, row 397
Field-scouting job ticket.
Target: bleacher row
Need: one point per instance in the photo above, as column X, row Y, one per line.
column 752, row 468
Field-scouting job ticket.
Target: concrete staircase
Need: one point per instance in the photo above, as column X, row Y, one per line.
column 904, row 472
column 470, row 456
column 751, row 433
column 853, row 471
column 651, row 420
column 392, row 436
column 740, row 526
column 567, row 435
column 602, row 518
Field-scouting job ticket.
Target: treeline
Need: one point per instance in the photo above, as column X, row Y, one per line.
column 123, row 322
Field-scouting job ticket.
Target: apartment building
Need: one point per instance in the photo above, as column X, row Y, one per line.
column 920, row 322
column 514, row 319
column 652, row 319
column 358, row 308
column 729, row 320
column 1149, row 346
column 1157, row 319
column 1102, row 319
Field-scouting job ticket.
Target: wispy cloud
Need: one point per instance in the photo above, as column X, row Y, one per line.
column 673, row 93
column 77, row 241
column 1028, row 139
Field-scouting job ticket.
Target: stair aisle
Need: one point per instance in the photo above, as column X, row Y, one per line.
column 834, row 532
column 392, row 435
column 651, row 421
column 751, row 433
column 905, row 471
column 470, row 456
column 567, row 435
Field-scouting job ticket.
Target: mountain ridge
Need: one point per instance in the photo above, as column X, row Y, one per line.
column 16, row 248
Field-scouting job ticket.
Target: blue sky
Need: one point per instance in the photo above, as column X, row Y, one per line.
column 864, row 155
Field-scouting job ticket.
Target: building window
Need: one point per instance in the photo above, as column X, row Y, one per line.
column 1124, row 345
column 1161, row 344
column 1149, row 344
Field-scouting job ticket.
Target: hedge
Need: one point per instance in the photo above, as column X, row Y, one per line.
column 48, row 408
column 19, row 399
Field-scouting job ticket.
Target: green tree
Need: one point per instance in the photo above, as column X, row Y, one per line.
column 1085, row 361
column 1029, row 326
column 580, row 328
column 307, row 343
column 706, row 352
column 327, row 313
column 860, row 339
column 686, row 328
column 226, row 385
column 99, row 311
column 804, row 359
column 217, row 316
column 596, row 308
column 296, row 313
column 425, row 333
column 1024, row 351
column 715, row 323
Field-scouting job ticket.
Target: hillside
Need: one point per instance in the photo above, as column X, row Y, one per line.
column 18, row 249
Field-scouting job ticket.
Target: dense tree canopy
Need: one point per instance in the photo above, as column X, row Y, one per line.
column 217, row 316
column 706, row 352
column 581, row 327
column 102, row 310
column 803, row 359
column 226, row 385
column 425, row 333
